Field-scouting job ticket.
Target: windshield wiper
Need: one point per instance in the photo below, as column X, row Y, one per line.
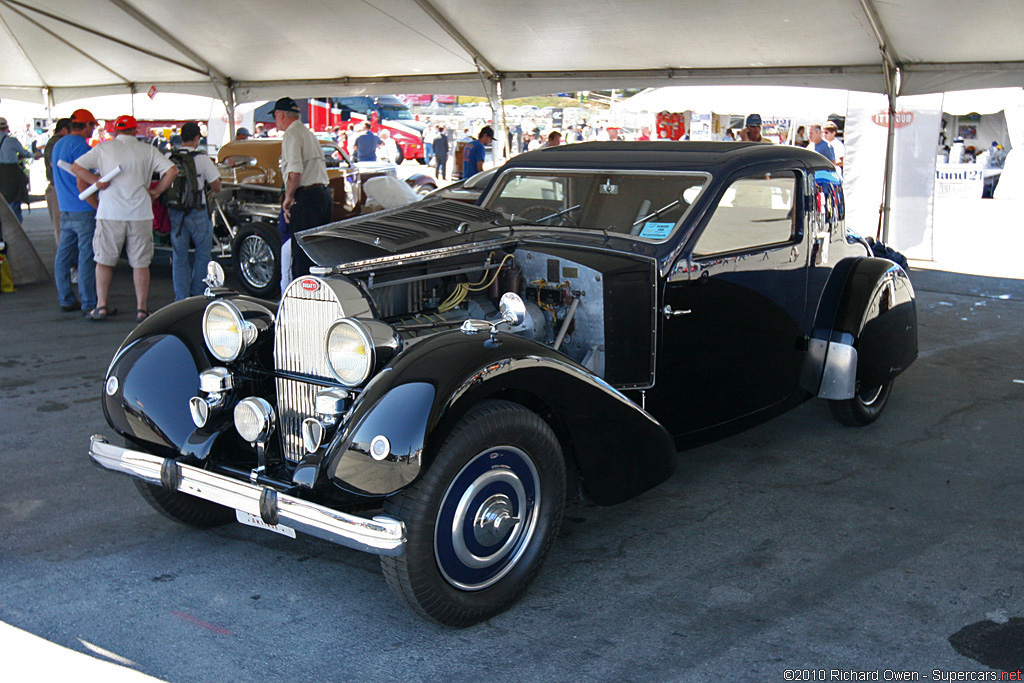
column 656, row 213
column 516, row 221
column 559, row 213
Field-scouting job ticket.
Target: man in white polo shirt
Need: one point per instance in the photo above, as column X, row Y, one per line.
column 125, row 214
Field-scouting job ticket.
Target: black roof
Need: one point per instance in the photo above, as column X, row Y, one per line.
column 664, row 155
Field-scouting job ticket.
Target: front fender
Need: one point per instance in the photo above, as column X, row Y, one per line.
column 618, row 448
column 418, row 180
column 156, row 371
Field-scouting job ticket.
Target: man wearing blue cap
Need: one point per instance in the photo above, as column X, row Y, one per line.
column 307, row 200
column 752, row 130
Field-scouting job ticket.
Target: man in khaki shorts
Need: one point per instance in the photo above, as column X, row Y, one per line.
column 125, row 214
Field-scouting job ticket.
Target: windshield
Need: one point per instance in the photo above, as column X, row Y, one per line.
column 646, row 205
column 394, row 113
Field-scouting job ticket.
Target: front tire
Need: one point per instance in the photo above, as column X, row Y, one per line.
column 862, row 409
column 481, row 520
column 183, row 508
column 256, row 256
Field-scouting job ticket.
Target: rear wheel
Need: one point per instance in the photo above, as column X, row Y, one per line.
column 481, row 520
column 183, row 508
column 864, row 408
column 256, row 255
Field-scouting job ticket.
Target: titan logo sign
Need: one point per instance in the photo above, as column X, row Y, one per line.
column 903, row 119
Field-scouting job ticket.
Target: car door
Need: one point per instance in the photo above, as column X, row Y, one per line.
column 732, row 341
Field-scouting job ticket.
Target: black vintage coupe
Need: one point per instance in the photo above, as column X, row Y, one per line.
column 449, row 374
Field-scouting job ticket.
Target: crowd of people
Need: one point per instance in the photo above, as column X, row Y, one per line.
column 101, row 193
column 92, row 229
column 821, row 137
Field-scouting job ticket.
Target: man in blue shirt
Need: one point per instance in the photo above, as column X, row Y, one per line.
column 77, row 218
column 473, row 154
column 366, row 144
column 818, row 144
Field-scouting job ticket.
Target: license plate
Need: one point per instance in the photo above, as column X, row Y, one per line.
column 253, row 520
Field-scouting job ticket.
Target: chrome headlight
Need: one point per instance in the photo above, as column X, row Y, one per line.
column 349, row 351
column 227, row 335
column 254, row 419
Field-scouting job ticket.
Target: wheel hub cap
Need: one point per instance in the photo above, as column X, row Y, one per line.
column 487, row 518
column 493, row 519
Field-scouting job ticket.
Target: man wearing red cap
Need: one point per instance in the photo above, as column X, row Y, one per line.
column 125, row 214
column 77, row 218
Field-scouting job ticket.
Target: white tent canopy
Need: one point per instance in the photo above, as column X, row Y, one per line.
column 59, row 50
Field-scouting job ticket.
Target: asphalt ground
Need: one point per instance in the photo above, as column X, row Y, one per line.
column 799, row 545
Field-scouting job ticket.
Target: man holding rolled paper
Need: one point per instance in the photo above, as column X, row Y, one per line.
column 125, row 214
column 77, row 217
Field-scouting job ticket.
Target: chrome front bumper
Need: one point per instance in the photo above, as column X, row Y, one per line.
column 380, row 535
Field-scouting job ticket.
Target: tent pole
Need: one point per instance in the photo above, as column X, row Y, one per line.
column 230, row 102
column 501, row 123
column 891, row 74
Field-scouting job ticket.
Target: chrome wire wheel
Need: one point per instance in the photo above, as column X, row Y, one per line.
column 487, row 518
column 255, row 254
column 256, row 260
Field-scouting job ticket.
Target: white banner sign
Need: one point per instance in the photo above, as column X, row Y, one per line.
column 955, row 181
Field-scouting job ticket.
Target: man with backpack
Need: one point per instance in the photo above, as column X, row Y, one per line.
column 187, row 210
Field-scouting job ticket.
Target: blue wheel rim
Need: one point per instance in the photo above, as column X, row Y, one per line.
column 487, row 518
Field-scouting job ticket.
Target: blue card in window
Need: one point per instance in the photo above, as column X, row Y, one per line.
column 656, row 231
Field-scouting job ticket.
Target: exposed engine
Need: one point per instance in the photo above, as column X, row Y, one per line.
column 564, row 300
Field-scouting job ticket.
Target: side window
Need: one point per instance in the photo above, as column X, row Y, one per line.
column 754, row 213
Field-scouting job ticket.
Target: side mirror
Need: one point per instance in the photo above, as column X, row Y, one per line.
column 512, row 309
column 513, row 313
column 214, row 275
column 214, row 280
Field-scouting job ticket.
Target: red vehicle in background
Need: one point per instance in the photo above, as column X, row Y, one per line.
column 383, row 112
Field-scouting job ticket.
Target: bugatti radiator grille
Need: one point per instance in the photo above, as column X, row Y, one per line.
column 305, row 313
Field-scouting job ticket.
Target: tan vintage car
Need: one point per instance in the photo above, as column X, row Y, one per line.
column 247, row 209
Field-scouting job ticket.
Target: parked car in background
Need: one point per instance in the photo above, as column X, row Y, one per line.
column 451, row 374
column 246, row 210
column 384, row 112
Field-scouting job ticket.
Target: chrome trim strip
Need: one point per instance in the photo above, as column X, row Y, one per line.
column 419, row 256
column 380, row 535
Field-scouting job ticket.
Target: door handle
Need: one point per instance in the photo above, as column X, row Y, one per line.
column 669, row 313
